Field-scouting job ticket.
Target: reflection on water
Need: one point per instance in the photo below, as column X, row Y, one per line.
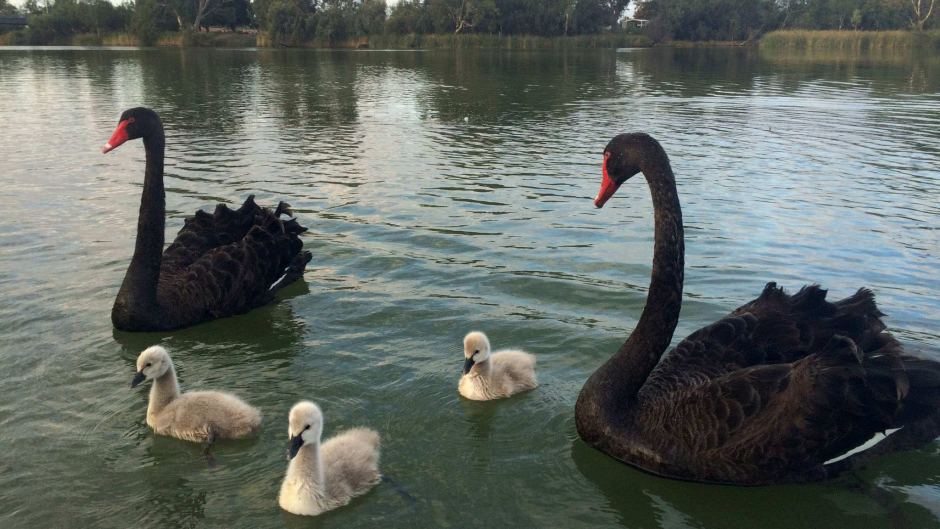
column 445, row 191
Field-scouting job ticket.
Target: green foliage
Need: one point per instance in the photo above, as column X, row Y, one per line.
column 150, row 18
column 409, row 17
column 506, row 17
column 370, row 19
column 58, row 22
column 230, row 14
column 349, row 22
column 747, row 19
column 285, row 20
column 7, row 8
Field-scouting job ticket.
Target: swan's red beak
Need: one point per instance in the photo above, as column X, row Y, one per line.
column 120, row 136
column 608, row 186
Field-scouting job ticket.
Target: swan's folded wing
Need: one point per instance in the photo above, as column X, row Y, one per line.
column 234, row 278
column 204, row 231
column 766, row 421
column 733, row 343
column 773, row 329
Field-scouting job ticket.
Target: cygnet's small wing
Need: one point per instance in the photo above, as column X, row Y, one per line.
column 351, row 464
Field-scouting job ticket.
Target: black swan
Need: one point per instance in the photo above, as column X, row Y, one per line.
column 787, row 388
column 220, row 264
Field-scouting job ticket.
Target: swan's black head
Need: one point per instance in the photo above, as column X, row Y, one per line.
column 623, row 158
column 135, row 123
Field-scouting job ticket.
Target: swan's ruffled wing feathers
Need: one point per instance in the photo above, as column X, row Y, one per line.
column 234, row 277
column 782, row 385
column 204, row 231
column 775, row 328
column 779, row 422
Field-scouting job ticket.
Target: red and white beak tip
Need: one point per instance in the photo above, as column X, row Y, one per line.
column 107, row 148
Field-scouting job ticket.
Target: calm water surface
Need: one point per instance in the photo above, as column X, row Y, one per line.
column 445, row 192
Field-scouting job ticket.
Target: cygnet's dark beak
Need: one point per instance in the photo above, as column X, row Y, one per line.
column 138, row 378
column 467, row 365
column 295, row 443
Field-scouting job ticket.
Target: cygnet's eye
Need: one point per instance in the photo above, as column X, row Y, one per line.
column 475, row 351
column 148, row 364
column 307, row 427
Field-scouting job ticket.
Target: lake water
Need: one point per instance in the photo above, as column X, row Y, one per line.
column 445, row 192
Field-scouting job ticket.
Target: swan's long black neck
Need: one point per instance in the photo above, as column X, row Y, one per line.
column 615, row 385
column 138, row 294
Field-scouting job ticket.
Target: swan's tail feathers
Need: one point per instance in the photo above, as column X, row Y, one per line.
column 283, row 208
column 293, row 272
column 293, row 227
column 900, row 400
column 922, row 398
column 249, row 206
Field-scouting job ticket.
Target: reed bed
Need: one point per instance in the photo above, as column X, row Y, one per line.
column 850, row 41
column 469, row 41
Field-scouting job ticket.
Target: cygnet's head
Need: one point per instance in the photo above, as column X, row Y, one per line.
column 476, row 349
column 305, row 425
column 152, row 363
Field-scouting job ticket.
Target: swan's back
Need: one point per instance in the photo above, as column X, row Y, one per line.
column 351, row 464
column 202, row 415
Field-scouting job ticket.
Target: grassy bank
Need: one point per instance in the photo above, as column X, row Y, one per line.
column 245, row 40
column 850, row 41
column 707, row 43
column 188, row 39
column 777, row 41
column 448, row 41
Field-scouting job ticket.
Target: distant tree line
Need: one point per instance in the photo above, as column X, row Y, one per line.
column 338, row 20
column 746, row 19
column 329, row 20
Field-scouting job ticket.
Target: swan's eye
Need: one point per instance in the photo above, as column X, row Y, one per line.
column 475, row 351
column 131, row 120
column 148, row 364
column 307, row 427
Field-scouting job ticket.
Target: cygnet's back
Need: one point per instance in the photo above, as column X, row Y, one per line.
column 489, row 376
column 202, row 415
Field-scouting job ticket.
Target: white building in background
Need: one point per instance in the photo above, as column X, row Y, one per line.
column 633, row 23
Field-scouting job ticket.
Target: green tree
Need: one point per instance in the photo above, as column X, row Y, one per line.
column 7, row 8
column 594, row 16
column 407, row 17
column 370, row 17
column 460, row 16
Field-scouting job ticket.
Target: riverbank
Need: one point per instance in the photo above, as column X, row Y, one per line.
column 450, row 41
column 795, row 40
column 175, row 39
column 850, row 41
column 413, row 41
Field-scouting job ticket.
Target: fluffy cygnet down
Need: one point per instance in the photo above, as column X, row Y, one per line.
column 489, row 376
column 321, row 478
column 201, row 416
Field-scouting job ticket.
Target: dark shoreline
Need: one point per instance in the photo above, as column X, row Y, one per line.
column 786, row 40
